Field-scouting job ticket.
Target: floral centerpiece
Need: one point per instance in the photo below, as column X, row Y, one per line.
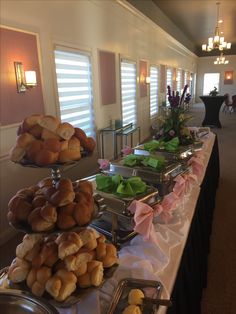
column 174, row 119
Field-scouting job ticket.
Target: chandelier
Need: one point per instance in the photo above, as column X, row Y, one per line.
column 221, row 60
column 216, row 42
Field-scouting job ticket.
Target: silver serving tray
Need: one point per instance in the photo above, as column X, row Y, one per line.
column 21, row 302
column 150, row 288
column 75, row 297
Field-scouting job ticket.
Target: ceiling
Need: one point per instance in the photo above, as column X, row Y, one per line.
column 197, row 20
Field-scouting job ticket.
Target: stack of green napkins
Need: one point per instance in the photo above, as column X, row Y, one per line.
column 170, row 146
column 116, row 184
column 156, row 162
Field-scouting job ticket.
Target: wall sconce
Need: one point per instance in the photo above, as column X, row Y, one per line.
column 24, row 80
column 148, row 80
column 228, row 77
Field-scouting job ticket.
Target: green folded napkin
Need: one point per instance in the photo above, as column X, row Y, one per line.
column 118, row 185
column 156, row 162
column 172, row 145
column 132, row 160
column 152, row 145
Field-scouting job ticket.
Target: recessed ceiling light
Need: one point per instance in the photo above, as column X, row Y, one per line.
column 220, row 21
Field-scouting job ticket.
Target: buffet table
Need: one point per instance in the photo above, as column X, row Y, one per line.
column 178, row 258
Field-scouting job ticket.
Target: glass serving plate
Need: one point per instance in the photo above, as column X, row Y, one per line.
column 78, row 295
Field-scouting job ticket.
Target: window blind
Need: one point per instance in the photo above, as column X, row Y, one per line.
column 74, row 84
column 179, row 81
column 128, row 92
column 153, row 91
column 169, row 81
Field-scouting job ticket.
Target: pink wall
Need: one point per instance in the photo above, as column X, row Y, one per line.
column 22, row 47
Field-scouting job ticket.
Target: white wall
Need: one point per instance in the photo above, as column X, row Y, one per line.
column 206, row 65
column 89, row 25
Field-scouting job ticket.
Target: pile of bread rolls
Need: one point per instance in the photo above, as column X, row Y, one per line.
column 46, row 207
column 44, row 140
column 57, row 265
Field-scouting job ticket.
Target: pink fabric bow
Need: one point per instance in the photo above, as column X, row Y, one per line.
column 104, row 164
column 127, row 150
column 168, row 205
column 143, row 217
column 197, row 165
column 184, row 183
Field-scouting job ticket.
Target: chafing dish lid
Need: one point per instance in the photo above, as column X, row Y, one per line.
column 20, row 302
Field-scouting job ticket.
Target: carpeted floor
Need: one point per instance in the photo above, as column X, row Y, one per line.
column 220, row 295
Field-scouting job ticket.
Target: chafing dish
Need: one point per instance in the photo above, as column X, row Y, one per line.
column 162, row 179
column 183, row 154
column 116, row 222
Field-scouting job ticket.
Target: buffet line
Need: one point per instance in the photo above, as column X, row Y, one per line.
column 88, row 242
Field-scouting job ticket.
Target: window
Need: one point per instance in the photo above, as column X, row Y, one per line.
column 153, row 91
column 128, row 92
column 210, row 81
column 74, row 84
column 179, row 81
column 169, row 81
column 185, row 78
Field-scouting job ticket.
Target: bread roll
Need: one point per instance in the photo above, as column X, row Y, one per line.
column 85, row 186
column 74, row 144
column 24, row 140
column 28, row 243
column 132, row 309
column 69, row 155
column 88, row 237
column 61, row 290
column 18, row 270
column 45, row 182
column 27, row 193
column 38, row 223
column 107, row 254
column 80, row 134
column 49, row 213
column 37, row 279
column 62, row 198
column 67, row 209
column 84, row 281
column 83, row 214
column 19, row 208
column 36, row 131
column 46, row 134
column 33, row 253
column 65, row 222
column 31, row 121
column 48, row 255
column 53, row 145
column 17, row 153
column 33, row 149
column 38, row 201
column 96, row 274
column 81, row 270
column 135, row 297
column 64, row 184
column 65, row 130
column 73, row 262
column 46, row 157
column 68, row 243
column 90, row 144
column 49, row 122
column 64, row 145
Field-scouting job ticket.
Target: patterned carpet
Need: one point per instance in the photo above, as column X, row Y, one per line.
column 220, row 295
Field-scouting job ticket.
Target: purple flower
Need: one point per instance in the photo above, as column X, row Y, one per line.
column 104, row 163
column 171, row 132
column 127, row 150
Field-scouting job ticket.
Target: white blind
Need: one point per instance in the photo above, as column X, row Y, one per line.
column 153, row 90
column 169, row 81
column 179, row 81
column 128, row 92
column 74, row 83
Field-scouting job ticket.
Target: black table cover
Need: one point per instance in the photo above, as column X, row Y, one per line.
column 192, row 273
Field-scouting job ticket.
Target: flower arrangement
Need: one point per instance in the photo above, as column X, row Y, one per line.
column 174, row 119
column 214, row 92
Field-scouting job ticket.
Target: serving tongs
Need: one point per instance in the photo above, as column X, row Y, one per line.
column 159, row 302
